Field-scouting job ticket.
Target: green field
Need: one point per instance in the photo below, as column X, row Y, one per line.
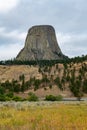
column 43, row 116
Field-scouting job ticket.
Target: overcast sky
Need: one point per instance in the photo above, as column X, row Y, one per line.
column 68, row 17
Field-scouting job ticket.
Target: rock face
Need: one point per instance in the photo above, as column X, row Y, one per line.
column 40, row 44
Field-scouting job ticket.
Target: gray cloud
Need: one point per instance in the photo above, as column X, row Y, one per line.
column 69, row 18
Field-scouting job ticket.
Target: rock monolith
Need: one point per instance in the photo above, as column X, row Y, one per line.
column 41, row 44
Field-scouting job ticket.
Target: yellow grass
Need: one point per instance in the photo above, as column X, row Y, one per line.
column 51, row 117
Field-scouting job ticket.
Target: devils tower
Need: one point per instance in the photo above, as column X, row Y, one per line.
column 41, row 44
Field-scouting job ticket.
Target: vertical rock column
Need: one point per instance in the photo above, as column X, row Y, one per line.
column 40, row 44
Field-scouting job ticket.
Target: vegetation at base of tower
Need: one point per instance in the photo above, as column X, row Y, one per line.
column 75, row 80
column 42, row 63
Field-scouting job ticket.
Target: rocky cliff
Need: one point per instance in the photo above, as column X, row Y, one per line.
column 41, row 44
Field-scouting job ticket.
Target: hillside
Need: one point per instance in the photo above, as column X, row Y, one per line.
column 67, row 80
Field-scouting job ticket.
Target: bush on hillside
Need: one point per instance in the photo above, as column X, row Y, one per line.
column 53, row 98
column 32, row 97
column 2, row 97
column 2, row 90
column 17, row 98
column 10, row 94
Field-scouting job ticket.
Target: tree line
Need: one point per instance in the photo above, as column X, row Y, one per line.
column 44, row 62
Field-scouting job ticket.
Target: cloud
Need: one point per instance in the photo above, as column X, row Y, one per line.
column 10, row 51
column 69, row 18
column 7, row 5
column 11, row 42
column 73, row 44
column 66, row 38
column 15, row 34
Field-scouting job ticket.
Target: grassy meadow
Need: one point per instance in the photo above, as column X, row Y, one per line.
column 43, row 116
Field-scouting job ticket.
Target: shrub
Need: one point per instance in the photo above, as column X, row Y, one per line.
column 36, row 84
column 2, row 90
column 59, row 98
column 50, row 98
column 2, row 97
column 10, row 94
column 30, row 93
column 53, row 98
column 57, row 66
column 32, row 97
column 8, row 98
column 45, row 88
column 16, row 88
column 84, row 88
column 57, row 81
column 17, row 98
column 50, row 86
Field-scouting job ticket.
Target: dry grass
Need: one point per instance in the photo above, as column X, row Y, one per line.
column 14, row 71
column 55, row 116
column 41, row 93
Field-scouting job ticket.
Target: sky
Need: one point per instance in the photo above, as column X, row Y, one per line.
column 68, row 17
